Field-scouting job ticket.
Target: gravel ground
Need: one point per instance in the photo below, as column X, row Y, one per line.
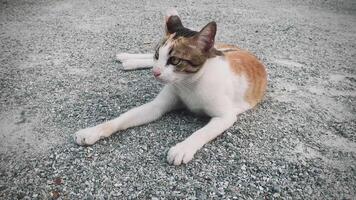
column 58, row 75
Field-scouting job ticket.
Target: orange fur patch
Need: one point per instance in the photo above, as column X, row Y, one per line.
column 219, row 46
column 244, row 63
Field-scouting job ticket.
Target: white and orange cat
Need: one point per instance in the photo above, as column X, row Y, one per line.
column 217, row 80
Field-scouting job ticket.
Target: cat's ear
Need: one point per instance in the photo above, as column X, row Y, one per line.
column 172, row 21
column 206, row 37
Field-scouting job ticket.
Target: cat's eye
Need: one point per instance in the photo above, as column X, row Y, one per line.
column 174, row 60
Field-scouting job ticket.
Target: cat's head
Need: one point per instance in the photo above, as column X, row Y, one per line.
column 182, row 52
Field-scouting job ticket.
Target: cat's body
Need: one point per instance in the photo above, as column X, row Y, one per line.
column 219, row 88
column 217, row 80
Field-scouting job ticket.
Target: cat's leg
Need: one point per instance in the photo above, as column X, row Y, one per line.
column 164, row 102
column 135, row 63
column 126, row 56
column 184, row 151
column 132, row 61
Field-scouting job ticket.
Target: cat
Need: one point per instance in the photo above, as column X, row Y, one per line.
column 217, row 80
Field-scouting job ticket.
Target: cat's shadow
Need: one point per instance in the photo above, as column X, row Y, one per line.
column 186, row 115
column 182, row 121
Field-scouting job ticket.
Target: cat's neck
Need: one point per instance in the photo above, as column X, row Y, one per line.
column 191, row 82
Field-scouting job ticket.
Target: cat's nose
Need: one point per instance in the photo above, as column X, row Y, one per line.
column 156, row 72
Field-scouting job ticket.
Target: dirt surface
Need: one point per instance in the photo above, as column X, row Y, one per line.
column 58, row 75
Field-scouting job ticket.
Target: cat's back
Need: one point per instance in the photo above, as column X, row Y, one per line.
column 243, row 63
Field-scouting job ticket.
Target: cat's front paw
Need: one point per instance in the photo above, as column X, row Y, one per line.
column 86, row 136
column 182, row 152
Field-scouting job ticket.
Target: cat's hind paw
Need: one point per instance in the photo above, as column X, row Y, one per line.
column 181, row 153
column 130, row 65
column 122, row 57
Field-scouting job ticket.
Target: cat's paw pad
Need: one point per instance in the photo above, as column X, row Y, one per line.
column 181, row 153
column 122, row 57
column 86, row 136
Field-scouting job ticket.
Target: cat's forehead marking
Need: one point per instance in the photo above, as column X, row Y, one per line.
column 164, row 52
column 167, row 45
column 165, row 48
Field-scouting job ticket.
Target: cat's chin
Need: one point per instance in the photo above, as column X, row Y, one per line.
column 164, row 81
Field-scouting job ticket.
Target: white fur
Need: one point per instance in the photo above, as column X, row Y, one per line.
column 126, row 56
column 167, row 71
column 132, row 64
column 135, row 61
column 164, row 102
column 214, row 90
